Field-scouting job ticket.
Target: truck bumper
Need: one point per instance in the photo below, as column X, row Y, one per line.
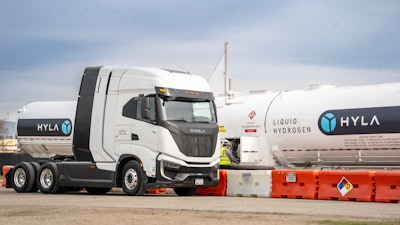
column 173, row 175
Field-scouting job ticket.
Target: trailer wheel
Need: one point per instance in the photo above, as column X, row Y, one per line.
column 23, row 177
column 47, row 179
column 132, row 179
column 92, row 190
column 184, row 191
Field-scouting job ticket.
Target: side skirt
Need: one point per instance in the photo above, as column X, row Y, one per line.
column 84, row 174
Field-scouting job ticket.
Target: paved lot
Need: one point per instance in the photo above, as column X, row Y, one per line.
column 115, row 207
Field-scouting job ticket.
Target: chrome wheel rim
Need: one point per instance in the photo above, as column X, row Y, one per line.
column 131, row 179
column 46, row 178
column 20, row 177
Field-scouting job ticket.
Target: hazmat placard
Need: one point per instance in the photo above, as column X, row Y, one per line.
column 344, row 186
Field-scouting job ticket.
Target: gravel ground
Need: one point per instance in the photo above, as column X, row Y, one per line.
column 116, row 208
column 46, row 215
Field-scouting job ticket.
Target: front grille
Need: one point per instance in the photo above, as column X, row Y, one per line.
column 195, row 145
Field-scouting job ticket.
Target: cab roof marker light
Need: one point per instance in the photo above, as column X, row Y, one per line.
column 163, row 90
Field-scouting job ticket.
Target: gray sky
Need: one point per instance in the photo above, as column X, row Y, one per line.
column 273, row 44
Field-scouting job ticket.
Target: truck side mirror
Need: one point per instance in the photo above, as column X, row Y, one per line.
column 145, row 109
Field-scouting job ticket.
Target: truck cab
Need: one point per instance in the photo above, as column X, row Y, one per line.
column 138, row 128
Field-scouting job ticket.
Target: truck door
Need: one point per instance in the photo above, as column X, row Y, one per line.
column 142, row 111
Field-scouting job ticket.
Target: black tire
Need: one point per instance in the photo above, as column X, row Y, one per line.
column 47, row 178
column 132, row 179
column 36, row 167
column 92, row 190
column 185, row 191
column 23, row 177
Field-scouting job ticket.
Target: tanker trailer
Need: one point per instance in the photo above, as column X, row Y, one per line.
column 45, row 129
column 325, row 126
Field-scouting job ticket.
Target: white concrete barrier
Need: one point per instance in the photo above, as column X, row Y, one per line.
column 249, row 183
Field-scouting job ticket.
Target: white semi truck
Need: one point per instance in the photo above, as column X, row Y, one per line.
column 325, row 126
column 134, row 128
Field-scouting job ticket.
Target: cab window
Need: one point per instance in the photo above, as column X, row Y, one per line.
column 140, row 108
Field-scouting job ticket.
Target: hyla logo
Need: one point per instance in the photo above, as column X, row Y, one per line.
column 44, row 127
column 378, row 120
column 66, row 127
column 328, row 122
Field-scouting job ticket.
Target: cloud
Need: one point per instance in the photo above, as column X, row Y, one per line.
column 273, row 44
column 300, row 76
column 50, row 83
column 342, row 34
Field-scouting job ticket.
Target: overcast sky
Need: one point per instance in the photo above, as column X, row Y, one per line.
column 273, row 44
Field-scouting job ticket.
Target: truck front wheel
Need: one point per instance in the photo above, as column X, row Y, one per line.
column 132, row 179
column 23, row 177
column 47, row 179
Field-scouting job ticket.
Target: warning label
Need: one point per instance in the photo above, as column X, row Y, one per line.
column 372, row 141
column 344, row 186
column 252, row 114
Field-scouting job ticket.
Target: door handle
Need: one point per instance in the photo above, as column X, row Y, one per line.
column 134, row 137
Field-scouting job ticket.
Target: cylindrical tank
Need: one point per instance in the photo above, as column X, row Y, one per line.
column 336, row 126
column 347, row 126
column 45, row 129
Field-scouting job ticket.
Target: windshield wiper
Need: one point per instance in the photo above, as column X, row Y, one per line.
column 179, row 120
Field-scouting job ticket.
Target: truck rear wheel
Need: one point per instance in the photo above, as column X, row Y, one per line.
column 132, row 179
column 23, row 177
column 47, row 179
column 184, row 191
column 36, row 167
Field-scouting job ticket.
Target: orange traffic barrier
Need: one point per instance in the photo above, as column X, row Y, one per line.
column 387, row 184
column 5, row 171
column 301, row 184
column 156, row 191
column 346, row 185
column 219, row 190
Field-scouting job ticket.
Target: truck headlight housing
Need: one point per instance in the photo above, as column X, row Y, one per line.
column 171, row 165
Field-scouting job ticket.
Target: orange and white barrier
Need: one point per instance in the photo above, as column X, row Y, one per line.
column 387, row 186
column 5, row 171
column 346, row 185
column 219, row 190
column 301, row 184
column 342, row 185
column 249, row 183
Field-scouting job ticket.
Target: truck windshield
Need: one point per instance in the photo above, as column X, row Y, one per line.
column 188, row 111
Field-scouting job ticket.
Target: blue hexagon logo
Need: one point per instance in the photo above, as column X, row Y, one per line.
column 328, row 122
column 66, row 127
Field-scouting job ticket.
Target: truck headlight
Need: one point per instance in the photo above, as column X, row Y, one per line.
column 171, row 165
